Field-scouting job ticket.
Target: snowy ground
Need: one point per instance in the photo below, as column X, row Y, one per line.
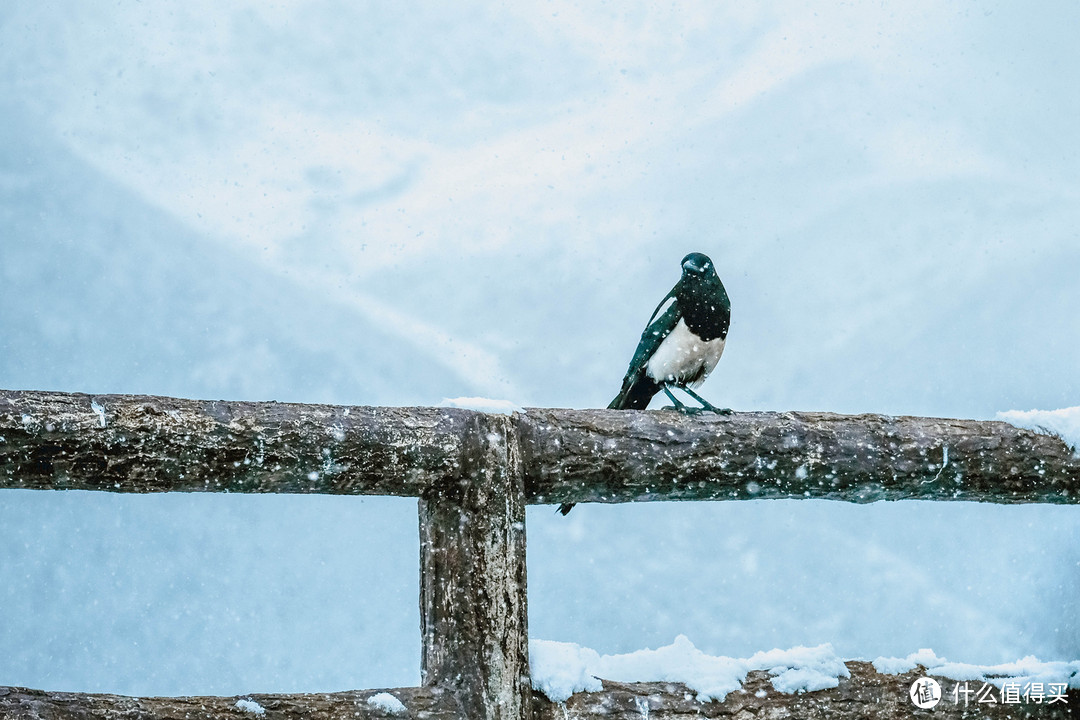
column 369, row 204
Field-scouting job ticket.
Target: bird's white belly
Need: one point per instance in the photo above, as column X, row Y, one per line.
column 683, row 355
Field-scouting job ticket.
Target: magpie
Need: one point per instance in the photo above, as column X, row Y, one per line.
column 681, row 344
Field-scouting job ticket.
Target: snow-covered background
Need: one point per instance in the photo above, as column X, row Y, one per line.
column 367, row 203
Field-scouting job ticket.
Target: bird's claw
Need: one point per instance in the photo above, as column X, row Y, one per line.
column 683, row 409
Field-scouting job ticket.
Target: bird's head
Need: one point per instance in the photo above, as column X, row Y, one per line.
column 697, row 264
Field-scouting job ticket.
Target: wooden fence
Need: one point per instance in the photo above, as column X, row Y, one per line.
column 474, row 473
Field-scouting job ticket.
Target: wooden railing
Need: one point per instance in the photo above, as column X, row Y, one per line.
column 474, row 473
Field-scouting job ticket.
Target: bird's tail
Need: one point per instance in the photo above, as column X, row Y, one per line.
column 635, row 395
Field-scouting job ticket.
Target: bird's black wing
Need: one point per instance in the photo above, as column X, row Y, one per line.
column 637, row 388
column 662, row 322
column 660, row 326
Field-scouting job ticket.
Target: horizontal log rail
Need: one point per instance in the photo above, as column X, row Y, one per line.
column 133, row 443
column 474, row 473
column 865, row 694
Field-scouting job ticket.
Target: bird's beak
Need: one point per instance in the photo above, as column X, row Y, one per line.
column 689, row 265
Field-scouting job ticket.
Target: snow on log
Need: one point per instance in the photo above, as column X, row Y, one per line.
column 864, row 695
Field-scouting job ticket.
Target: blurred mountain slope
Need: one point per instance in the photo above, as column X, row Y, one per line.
column 103, row 293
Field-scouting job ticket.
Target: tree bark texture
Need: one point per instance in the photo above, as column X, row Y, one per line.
column 152, row 444
column 473, row 604
column 866, row 695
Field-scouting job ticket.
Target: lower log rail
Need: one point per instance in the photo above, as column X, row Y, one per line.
column 866, row 694
column 431, row 703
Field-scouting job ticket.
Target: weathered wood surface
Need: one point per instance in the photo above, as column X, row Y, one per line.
column 473, row 604
column 866, row 695
column 620, row 456
column 138, row 443
column 151, row 444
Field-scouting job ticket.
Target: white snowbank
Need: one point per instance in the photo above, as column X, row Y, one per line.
column 251, row 706
column 1030, row 669
column 481, row 404
column 387, row 702
column 1064, row 423
column 561, row 669
column 896, row 666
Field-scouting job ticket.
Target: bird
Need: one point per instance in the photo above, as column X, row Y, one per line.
column 681, row 343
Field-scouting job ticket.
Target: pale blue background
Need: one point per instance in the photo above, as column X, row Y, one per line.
column 343, row 202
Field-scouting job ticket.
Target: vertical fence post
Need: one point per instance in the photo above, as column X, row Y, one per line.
column 473, row 606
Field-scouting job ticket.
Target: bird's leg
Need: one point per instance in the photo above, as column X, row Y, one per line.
column 705, row 404
column 678, row 405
